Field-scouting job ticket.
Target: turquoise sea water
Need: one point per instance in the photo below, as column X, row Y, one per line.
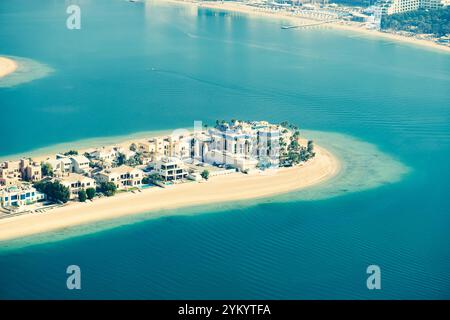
column 133, row 67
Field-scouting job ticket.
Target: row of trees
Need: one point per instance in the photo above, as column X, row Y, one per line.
column 57, row 192
column 89, row 193
column 297, row 154
column 435, row 22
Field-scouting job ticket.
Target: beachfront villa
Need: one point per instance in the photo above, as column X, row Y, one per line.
column 170, row 146
column 19, row 195
column 76, row 182
column 171, row 168
column 63, row 165
column 123, row 177
column 107, row 154
column 242, row 145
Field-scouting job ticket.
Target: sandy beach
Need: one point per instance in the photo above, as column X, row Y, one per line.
column 7, row 66
column 296, row 20
column 218, row 189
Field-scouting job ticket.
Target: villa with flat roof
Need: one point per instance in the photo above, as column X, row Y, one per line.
column 76, row 182
column 171, row 168
column 80, row 164
column 19, row 195
column 24, row 169
column 123, row 177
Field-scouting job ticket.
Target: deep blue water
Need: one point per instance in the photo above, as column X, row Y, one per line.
column 136, row 67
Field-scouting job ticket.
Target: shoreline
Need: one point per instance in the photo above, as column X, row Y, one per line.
column 243, row 8
column 7, row 66
column 220, row 189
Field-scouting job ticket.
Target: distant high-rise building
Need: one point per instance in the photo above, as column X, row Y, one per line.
column 389, row 7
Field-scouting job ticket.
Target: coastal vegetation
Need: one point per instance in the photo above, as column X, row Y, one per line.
column 71, row 153
column 205, row 174
column 82, row 195
column 292, row 152
column 108, row 188
column 146, row 180
column 54, row 190
column 90, row 193
column 47, row 170
column 154, row 177
column 435, row 22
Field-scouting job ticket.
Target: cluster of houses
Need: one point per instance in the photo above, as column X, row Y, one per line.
column 225, row 148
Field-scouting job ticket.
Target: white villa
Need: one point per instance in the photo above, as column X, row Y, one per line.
column 19, row 195
column 170, row 146
column 107, row 154
column 63, row 165
column 123, row 177
column 241, row 145
column 80, row 164
column 76, row 182
column 171, row 168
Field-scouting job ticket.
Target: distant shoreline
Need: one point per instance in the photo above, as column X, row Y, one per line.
column 220, row 189
column 243, row 8
column 7, row 66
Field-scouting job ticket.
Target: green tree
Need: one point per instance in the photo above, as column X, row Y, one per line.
column 90, row 193
column 436, row 21
column 146, row 180
column 310, row 147
column 155, row 177
column 55, row 191
column 82, row 195
column 47, row 170
column 133, row 147
column 205, row 174
column 121, row 159
column 71, row 153
column 294, row 145
column 108, row 188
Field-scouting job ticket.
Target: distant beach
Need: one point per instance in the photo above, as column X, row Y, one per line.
column 7, row 66
column 219, row 189
column 295, row 20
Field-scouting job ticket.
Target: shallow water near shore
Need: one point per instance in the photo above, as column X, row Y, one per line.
column 383, row 108
column 27, row 70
